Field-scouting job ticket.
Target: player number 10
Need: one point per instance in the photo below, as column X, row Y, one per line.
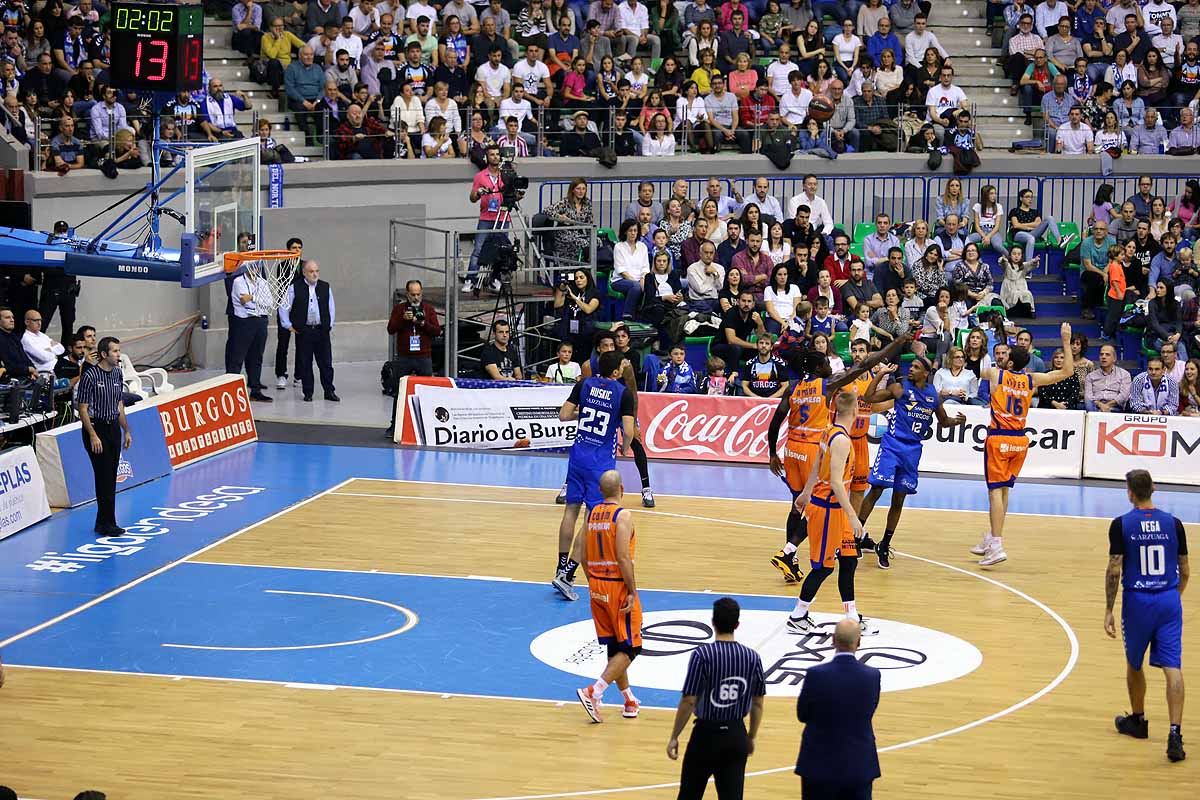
column 1153, row 559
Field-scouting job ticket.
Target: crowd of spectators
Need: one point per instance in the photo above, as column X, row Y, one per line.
column 777, row 281
column 1105, row 76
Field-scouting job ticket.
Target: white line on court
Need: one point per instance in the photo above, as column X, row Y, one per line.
column 410, row 621
column 114, row 592
column 1033, row 698
column 700, row 497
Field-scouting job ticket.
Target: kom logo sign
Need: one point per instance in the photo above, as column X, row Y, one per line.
column 1117, row 443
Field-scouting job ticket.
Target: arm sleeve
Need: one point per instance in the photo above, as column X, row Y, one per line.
column 1181, row 537
column 1116, row 543
column 628, row 406
column 574, row 396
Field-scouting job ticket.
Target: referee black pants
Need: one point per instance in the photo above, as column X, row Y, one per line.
column 718, row 750
column 104, row 468
column 247, row 342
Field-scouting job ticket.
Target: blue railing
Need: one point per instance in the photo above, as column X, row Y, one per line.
column 903, row 197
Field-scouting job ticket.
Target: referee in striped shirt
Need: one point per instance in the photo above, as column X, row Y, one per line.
column 102, row 413
column 724, row 683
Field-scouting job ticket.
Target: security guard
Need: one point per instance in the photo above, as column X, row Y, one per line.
column 724, row 683
column 103, row 416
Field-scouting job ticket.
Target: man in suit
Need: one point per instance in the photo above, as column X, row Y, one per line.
column 837, row 758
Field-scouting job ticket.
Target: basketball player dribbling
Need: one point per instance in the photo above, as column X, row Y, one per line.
column 806, row 407
column 1007, row 445
column 915, row 404
column 833, row 526
column 603, row 407
column 616, row 609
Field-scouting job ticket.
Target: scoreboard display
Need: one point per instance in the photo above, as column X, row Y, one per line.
column 157, row 47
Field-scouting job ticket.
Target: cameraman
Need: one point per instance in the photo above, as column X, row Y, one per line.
column 415, row 325
column 59, row 292
column 486, row 190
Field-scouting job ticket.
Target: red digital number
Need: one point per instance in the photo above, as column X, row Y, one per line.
column 191, row 64
column 160, row 60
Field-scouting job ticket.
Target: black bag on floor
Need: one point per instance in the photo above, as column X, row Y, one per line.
column 387, row 377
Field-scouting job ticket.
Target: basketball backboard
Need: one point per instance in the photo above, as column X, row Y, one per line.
column 222, row 204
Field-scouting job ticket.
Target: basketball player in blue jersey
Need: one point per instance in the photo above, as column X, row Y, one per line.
column 1147, row 554
column 915, row 405
column 603, row 407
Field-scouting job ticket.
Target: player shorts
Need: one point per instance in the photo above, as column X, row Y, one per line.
column 798, row 459
column 613, row 627
column 1154, row 620
column 895, row 466
column 1003, row 456
column 862, row 464
column 829, row 533
column 583, row 484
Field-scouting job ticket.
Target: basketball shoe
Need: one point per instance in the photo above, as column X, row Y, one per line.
column 1175, row 747
column 884, row 554
column 562, row 496
column 1129, row 725
column 788, row 566
column 632, row 707
column 982, row 548
column 647, row 498
column 591, row 703
column 993, row 555
column 805, row 624
column 565, row 586
column 866, row 544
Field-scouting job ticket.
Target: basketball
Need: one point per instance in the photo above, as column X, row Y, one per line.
column 821, row 108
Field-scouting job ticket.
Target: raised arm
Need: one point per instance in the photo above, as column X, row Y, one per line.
column 1068, row 367
column 852, row 374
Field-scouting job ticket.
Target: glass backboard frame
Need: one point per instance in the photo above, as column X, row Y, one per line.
column 237, row 164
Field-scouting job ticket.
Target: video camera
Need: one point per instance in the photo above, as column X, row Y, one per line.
column 514, row 184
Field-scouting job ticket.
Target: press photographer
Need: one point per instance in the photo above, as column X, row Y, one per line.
column 415, row 325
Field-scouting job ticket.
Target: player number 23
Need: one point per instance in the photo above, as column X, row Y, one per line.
column 1153, row 559
column 594, row 421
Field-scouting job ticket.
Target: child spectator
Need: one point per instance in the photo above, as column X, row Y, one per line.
column 564, row 370
column 911, row 300
column 860, row 327
column 1102, row 205
column 822, row 321
column 677, row 376
column 764, row 375
column 1014, row 290
column 715, row 382
column 800, row 324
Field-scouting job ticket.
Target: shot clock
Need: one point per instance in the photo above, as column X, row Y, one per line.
column 157, row 47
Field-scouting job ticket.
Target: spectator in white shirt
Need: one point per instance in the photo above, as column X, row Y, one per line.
column 918, row 40
column 417, row 10
column 660, row 141
column 1075, row 138
column 793, row 104
column 631, row 262
column 633, row 32
column 1047, row 15
column 346, row 40
column 494, row 75
column 767, row 203
column 955, row 383
column 1169, row 44
column 532, row 72
column 944, row 98
column 41, row 349
column 779, row 72
column 1155, row 13
column 819, row 217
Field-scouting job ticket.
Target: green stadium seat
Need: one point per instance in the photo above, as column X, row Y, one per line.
column 981, row 310
column 841, row 344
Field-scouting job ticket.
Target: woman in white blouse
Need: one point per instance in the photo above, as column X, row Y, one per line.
column 954, row 382
column 408, row 108
column 660, row 141
column 987, row 217
column 1110, row 134
column 846, row 48
column 716, row 225
column 631, row 262
column 914, row 248
column 691, row 115
column 442, row 105
column 780, row 296
column 777, row 248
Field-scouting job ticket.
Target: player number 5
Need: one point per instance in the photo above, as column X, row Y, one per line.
column 1153, row 559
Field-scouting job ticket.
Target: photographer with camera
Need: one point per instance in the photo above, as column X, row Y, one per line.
column 415, row 325
column 497, row 189
column 575, row 303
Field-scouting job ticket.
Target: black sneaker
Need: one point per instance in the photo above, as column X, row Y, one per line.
column 884, row 554
column 866, row 544
column 787, row 565
column 805, row 624
column 1137, row 728
column 1175, row 747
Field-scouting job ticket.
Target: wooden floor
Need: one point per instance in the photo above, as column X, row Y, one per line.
column 149, row 738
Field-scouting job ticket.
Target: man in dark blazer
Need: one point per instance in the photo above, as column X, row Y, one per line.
column 837, row 758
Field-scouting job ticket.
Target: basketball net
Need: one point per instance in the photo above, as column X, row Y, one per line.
column 275, row 268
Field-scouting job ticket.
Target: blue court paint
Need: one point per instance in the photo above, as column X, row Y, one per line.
column 472, row 636
column 289, row 473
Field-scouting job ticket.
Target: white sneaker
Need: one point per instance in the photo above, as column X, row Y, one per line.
column 281, row 382
column 647, row 498
column 296, row 382
column 982, row 548
column 466, row 286
column 995, row 555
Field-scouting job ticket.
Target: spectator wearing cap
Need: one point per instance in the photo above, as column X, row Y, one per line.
column 581, row 140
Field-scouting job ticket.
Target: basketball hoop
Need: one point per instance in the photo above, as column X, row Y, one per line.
column 277, row 268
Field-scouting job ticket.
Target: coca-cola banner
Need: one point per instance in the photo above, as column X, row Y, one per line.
column 705, row 428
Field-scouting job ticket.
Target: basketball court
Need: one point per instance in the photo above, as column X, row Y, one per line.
column 377, row 623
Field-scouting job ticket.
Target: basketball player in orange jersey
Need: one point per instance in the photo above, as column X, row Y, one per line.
column 616, row 609
column 806, row 407
column 1007, row 445
column 833, row 525
column 864, row 386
